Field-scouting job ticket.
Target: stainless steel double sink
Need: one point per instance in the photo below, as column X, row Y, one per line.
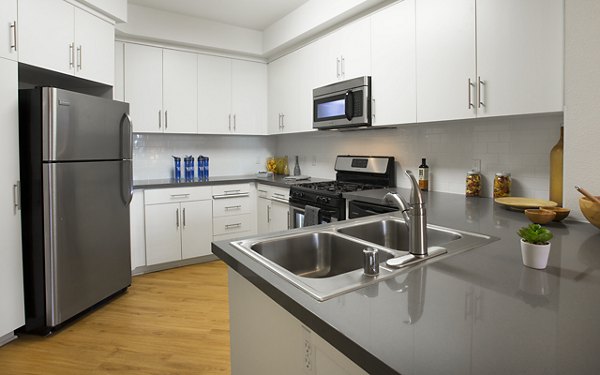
column 326, row 262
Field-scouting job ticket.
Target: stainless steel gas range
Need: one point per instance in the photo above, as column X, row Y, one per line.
column 325, row 199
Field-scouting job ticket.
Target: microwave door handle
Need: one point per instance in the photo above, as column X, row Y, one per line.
column 349, row 105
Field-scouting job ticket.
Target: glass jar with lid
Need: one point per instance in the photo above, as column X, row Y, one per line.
column 502, row 183
column 473, row 183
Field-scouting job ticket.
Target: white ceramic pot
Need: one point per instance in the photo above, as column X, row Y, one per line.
column 535, row 256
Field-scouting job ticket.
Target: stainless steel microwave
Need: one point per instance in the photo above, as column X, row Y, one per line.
column 343, row 104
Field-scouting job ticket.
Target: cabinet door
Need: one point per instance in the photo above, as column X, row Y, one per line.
column 355, row 42
column 143, row 87
column 393, row 65
column 118, row 89
column 8, row 29
column 46, row 34
column 263, row 215
column 214, row 95
column 94, row 48
column 180, row 91
column 249, row 97
column 445, row 59
column 280, row 216
column 196, row 234
column 163, row 233
column 11, row 268
column 520, row 56
column 278, row 80
column 138, row 239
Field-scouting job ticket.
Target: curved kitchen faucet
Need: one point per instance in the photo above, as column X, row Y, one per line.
column 415, row 218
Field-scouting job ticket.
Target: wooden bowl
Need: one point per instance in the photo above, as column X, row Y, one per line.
column 561, row 212
column 540, row 216
column 590, row 210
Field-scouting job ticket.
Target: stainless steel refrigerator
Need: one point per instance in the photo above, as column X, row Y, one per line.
column 76, row 186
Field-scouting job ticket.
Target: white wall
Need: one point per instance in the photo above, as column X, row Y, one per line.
column 582, row 100
column 518, row 145
column 229, row 155
column 115, row 9
column 148, row 23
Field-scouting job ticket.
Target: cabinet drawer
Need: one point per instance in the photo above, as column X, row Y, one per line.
column 182, row 194
column 221, row 190
column 232, row 206
column 232, row 224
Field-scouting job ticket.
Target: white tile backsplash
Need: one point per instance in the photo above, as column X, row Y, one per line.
column 229, row 155
column 519, row 145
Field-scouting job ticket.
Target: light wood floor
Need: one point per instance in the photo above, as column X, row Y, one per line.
column 169, row 322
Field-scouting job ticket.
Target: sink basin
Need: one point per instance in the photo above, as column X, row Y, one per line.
column 328, row 261
column 393, row 234
column 315, row 255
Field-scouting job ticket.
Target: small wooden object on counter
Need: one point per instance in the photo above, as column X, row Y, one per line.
column 591, row 210
column 561, row 212
column 587, row 194
column 556, row 171
column 540, row 216
column 522, row 202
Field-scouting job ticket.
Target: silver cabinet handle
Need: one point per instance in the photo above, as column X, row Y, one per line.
column 261, row 191
column 288, row 220
column 227, row 196
column 234, row 122
column 13, row 27
column 337, row 70
column 177, row 217
column 280, row 200
column 159, row 119
column 79, row 62
column 17, row 197
column 268, row 214
column 174, row 196
column 166, row 122
column 373, row 107
column 282, row 121
column 279, row 122
column 233, row 207
column 343, row 67
column 469, row 88
column 184, row 218
column 71, row 55
column 480, row 83
column 230, row 122
column 231, row 226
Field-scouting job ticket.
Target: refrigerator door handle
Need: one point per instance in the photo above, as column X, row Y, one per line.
column 126, row 137
column 126, row 181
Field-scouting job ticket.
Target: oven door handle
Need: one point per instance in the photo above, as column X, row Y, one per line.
column 349, row 105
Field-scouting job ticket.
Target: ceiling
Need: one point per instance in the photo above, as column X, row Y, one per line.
column 252, row 14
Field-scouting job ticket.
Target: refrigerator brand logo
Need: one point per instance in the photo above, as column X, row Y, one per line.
column 63, row 102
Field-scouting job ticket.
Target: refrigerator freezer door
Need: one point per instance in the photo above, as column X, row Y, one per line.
column 87, row 245
column 81, row 127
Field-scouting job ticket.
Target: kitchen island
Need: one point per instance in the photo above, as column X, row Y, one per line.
column 477, row 312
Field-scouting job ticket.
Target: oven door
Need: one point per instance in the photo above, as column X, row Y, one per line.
column 297, row 215
column 362, row 209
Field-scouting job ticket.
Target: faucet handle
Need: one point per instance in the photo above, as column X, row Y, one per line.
column 415, row 194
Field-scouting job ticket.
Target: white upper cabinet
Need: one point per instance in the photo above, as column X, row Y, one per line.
column 446, row 72
column 94, row 48
column 143, row 87
column 214, row 94
column 118, row 90
column 249, row 97
column 8, row 29
column 345, row 53
column 180, row 92
column 58, row 36
column 520, row 56
column 478, row 58
column 393, row 58
column 232, row 96
column 291, row 81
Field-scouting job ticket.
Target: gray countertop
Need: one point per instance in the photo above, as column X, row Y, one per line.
column 276, row 180
column 478, row 312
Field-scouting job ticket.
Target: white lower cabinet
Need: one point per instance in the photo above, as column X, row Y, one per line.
column 177, row 226
column 234, row 211
column 12, row 314
column 273, row 212
column 281, row 346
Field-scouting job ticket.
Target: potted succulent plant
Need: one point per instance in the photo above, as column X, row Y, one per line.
column 535, row 245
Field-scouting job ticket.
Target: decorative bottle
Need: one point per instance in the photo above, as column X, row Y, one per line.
column 424, row 175
column 297, row 168
column 556, row 171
